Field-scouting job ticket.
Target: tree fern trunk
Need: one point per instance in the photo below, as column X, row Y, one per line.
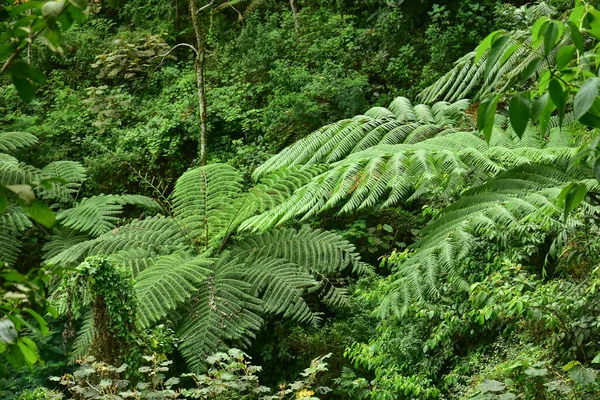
column 199, row 68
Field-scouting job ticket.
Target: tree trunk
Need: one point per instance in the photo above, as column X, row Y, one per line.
column 199, row 68
column 295, row 12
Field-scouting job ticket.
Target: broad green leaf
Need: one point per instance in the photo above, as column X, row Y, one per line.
column 583, row 376
column 531, row 68
column 518, row 112
column 491, row 385
column 570, row 197
column 496, row 51
column 597, row 176
column 43, row 326
column 531, row 371
column 51, row 10
column 537, row 31
column 564, row 56
column 25, row 89
column 40, row 212
column 576, row 36
column 558, row 96
column 485, row 44
column 486, row 113
column 550, row 33
column 590, row 119
column 29, row 350
column 585, row 97
column 596, row 359
column 577, row 14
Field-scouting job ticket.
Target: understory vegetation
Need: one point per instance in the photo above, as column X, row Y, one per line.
column 303, row 199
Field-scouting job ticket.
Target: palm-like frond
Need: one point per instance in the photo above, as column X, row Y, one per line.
column 401, row 123
column 504, row 207
column 223, row 310
column 203, row 202
column 467, row 79
column 168, row 283
column 69, row 176
column 100, row 214
column 385, row 175
column 312, row 250
column 11, row 141
column 156, row 235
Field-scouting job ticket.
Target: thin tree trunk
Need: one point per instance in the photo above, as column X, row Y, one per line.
column 295, row 12
column 199, row 68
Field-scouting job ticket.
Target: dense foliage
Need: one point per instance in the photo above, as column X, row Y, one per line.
column 402, row 196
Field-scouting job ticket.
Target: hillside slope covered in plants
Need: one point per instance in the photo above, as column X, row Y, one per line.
column 303, row 199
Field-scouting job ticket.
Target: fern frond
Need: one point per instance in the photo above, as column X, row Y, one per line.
column 11, row 141
column 71, row 175
column 501, row 209
column 402, row 123
column 222, row 311
column 385, row 175
column 85, row 337
column 14, row 172
column 322, row 251
column 170, row 281
column 157, row 235
column 100, row 214
column 281, row 284
column 203, row 202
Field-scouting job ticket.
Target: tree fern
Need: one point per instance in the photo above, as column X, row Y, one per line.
column 467, row 79
column 169, row 282
column 386, row 175
column 196, row 269
column 502, row 208
column 11, row 141
column 317, row 250
column 223, row 311
column 202, row 202
column 99, row 214
column 401, row 123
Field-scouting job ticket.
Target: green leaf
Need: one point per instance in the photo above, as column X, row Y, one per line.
column 29, row 350
column 40, row 212
column 585, row 97
column 485, row 44
column 570, row 197
column 496, row 51
column 3, row 203
column 550, row 36
column 518, row 112
column 530, row 371
column 486, row 113
column 596, row 359
column 25, row 89
column 40, row 320
column 51, row 10
column 583, row 376
column 564, row 56
column 491, row 385
column 576, row 36
column 590, row 119
column 559, row 97
column 597, row 176
column 531, row 68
